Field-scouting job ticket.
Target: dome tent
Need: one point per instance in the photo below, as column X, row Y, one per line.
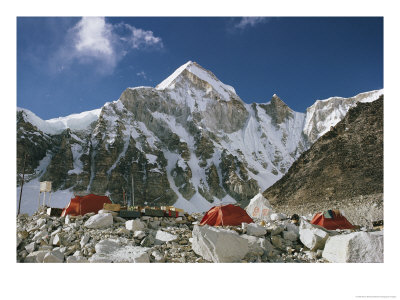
column 331, row 220
column 260, row 208
column 81, row 205
column 226, row 215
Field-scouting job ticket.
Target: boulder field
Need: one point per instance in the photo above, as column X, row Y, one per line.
column 107, row 238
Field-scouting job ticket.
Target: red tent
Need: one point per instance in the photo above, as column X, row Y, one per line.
column 81, row 205
column 331, row 220
column 226, row 215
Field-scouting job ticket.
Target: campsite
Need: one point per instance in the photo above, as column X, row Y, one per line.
column 91, row 229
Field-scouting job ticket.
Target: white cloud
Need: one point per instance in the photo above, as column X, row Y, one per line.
column 250, row 21
column 141, row 74
column 140, row 38
column 92, row 39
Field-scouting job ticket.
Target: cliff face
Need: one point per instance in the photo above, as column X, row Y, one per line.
column 345, row 163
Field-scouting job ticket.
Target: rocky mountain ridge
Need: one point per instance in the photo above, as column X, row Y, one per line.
column 343, row 169
column 191, row 141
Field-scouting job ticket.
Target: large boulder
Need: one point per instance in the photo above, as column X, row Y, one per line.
column 313, row 236
column 218, row 245
column 99, row 221
column 357, row 247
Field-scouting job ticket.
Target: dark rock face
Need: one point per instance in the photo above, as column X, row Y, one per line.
column 32, row 142
column 346, row 162
column 237, row 184
column 277, row 110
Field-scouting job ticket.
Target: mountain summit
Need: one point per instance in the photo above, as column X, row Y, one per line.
column 199, row 77
column 191, row 141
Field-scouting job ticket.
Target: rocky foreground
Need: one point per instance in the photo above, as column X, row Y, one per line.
column 107, row 238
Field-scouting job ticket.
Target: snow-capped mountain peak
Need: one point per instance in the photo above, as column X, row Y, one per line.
column 170, row 79
column 199, row 77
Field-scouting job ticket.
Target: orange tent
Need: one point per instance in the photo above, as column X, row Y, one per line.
column 226, row 215
column 331, row 220
column 81, row 205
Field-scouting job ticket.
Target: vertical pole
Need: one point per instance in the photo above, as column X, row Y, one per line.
column 22, row 184
column 123, row 195
column 133, row 192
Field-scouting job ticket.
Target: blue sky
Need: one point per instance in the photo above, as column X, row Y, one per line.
column 69, row 65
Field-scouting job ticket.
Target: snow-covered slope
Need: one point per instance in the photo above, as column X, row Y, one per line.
column 324, row 114
column 191, row 141
column 79, row 121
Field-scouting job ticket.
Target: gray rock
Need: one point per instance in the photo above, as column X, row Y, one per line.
column 158, row 257
column 148, row 241
column 36, row 257
column 139, row 234
column 255, row 229
column 56, row 240
column 275, row 229
column 290, row 235
column 135, row 225
column 39, row 235
column 107, row 246
column 105, row 211
column 76, row 259
column 123, row 230
column 154, row 224
column 277, row 241
column 357, row 247
column 163, row 237
column 41, row 222
column 30, row 247
column 99, row 221
column 55, row 256
column 121, row 254
column 119, row 219
column 85, row 238
column 218, row 245
column 313, row 236
column 257, row 245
